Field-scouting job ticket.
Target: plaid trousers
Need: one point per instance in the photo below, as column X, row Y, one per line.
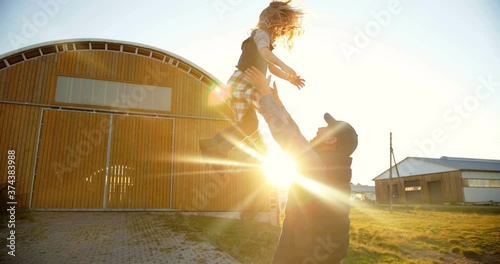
column 243, row 94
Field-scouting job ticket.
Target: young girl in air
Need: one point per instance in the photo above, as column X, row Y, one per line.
column 279, row 23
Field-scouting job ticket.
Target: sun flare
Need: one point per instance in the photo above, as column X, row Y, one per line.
column 280, row 169
column 218, row 95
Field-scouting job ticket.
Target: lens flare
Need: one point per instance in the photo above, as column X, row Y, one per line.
column 279, row 169
column 218, row 95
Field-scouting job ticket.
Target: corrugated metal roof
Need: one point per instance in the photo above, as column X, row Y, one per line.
column 41, row 49
column 418, row 166
column 466, row 163
column 362, row 188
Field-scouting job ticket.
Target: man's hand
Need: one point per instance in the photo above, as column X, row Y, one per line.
column 259, row 80
column 274, row 91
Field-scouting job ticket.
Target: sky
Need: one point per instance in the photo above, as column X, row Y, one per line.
column 426, row 71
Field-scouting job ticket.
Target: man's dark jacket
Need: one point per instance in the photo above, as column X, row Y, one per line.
column 316, row 225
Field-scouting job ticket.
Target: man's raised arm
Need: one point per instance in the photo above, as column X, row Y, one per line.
column 284, row 131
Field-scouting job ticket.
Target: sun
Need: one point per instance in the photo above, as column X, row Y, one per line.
column 279, row 168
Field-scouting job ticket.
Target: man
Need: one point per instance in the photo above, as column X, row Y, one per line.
column 316, row 225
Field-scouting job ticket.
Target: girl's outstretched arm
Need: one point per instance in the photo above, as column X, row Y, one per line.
column 298, row 81
column 277, row 72
column 269, row 56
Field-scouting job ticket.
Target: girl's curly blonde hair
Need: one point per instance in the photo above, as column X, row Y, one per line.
column 283, row 22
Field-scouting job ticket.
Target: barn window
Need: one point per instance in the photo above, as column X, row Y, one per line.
column 115, row 94
column 481, row 183
column 412, row 186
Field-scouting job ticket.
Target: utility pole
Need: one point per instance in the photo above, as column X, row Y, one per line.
column 390, row 171
column 399, row 178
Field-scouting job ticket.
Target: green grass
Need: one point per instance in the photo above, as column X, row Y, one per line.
column 406, row 235
column 440, row 235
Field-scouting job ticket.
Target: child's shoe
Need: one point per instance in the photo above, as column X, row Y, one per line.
column 210, row 149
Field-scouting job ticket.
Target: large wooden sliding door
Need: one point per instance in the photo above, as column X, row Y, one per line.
column 101, row 161
column 71, row 165
column 140, row 158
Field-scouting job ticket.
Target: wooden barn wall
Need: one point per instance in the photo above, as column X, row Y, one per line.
column 199, row 188
column 451, row 187
column 194, row 186
column 18, row 132
column 70, row 171
column 34, row 81
column 382, row 189
column 141, row 158
column 381, row 194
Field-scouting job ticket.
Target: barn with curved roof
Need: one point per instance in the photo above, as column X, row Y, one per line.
column 107, row 125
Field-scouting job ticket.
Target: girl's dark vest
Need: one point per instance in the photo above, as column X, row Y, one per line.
column 250, row 56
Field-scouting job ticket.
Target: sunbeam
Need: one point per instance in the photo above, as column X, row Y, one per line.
column 279, row 169
column 326, row 194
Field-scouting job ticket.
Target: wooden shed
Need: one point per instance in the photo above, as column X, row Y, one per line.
column 437, row 181
column 107, row 125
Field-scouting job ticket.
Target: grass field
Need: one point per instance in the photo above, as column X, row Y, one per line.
column 414, row 234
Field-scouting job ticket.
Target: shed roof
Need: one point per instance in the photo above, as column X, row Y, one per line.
column 466, row 163
column 362, row 189
column 412, row 166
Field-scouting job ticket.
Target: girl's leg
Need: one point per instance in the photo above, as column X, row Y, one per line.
column 247, row 122
column 229, row 137
column 225, row 140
